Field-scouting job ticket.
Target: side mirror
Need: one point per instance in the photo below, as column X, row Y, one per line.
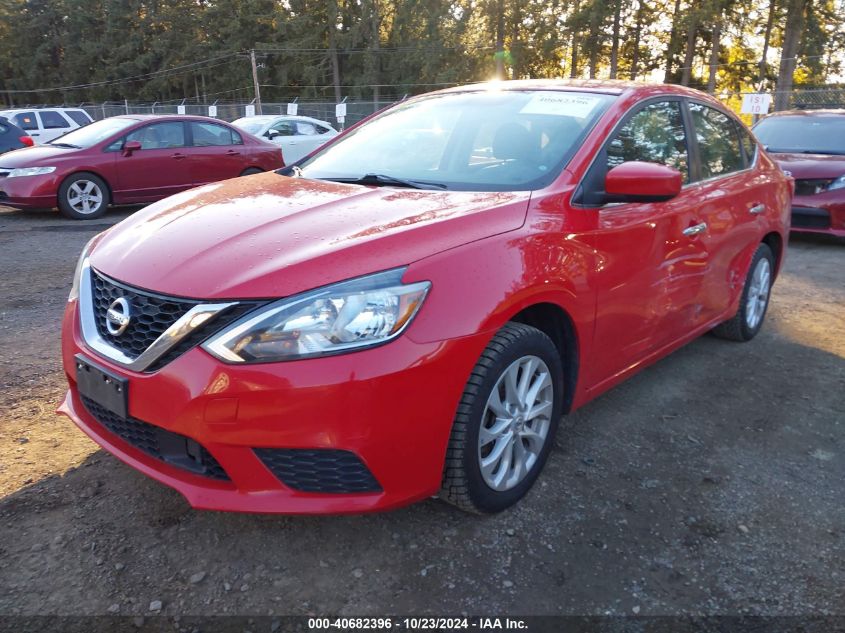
column 642, row 182
column 131, row 146
column 271, row 134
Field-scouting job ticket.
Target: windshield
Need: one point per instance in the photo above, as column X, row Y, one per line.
column 803, row 134
column 488, row 140
column 249, row 126
column 93, row 133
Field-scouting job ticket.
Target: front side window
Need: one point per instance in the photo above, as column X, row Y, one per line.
column 483, row 140
column 749, row 145
column 211, row 134
column 159, row 135
column 655, row 134
column 718, row 143
column 51, row 120
column 25, row 120
column 282, row 128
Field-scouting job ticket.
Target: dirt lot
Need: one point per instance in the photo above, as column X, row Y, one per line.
column 712, row 483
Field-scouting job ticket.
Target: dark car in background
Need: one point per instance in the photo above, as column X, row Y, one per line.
column 128, row 160
column 12, row 137
column 810, row 147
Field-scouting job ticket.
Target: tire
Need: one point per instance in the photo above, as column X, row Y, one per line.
column 84, row 196
column 466, row 483
column 754, row 303
column 249, row 171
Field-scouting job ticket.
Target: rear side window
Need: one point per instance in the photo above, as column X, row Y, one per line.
column 25, row 121
column 718, row 141
column 211, row 134
column 655, row 134
column 80, row 118
column 51, row 120
column 159, row 135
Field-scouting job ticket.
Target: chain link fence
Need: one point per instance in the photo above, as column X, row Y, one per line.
column 356, row 110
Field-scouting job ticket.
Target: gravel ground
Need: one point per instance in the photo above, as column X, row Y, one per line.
column 712, row 483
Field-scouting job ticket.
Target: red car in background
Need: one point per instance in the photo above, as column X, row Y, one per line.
column 810, row 147
column 414, row 310
column 128, row 160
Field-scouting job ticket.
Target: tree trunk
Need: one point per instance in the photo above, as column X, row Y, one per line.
column 689, row 55
column 714, row 55
column 335, row 61
column 638, row 30
column 791, row 42
column 595, row 38
column 673, row 43
column 573, row 69
column 614, row 47
column 767, row 36
column 500, row 39
column 375, row 44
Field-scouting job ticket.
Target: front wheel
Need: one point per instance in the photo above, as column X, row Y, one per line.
column 84, row 197
column 754, row 303
column 506, row 421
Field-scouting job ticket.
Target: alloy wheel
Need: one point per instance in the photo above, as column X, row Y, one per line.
column 515, row 423
column 85, row 197
column 758, row 293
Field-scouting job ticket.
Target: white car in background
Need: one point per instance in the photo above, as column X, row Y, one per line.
column 47, row 124
column 298, row 136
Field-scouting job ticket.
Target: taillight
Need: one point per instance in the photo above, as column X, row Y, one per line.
column 27, row 140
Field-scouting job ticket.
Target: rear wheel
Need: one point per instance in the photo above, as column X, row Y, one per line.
column 249, row 171
column 506, row 421
column 84, row 197
column 748, row 320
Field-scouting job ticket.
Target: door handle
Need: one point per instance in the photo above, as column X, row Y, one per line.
column 695, row 229
column 757, row 209
column 178, row 156
column 232, row 152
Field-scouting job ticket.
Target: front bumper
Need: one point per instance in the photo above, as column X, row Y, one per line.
column 30, row 192
column 391, row 406
column 821, row 213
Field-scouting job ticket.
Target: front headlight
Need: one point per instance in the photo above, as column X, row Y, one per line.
column 347, row 316
column 839, row 183
column 30, row 171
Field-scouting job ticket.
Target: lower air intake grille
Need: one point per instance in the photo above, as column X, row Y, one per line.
column 810, row 218
column 318, row 470
column 167, row 446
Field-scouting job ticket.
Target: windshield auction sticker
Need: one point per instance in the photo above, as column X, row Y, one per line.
column 561, row 103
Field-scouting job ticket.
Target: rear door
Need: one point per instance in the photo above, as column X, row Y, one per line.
column 160, row 168
column 53, row 125
column 651, row 257
column 729, row 198
column 217, row 152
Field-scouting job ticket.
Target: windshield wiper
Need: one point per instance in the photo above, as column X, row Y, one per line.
column 383, row 179
column 70, row 145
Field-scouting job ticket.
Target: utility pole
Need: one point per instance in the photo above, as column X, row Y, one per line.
column 255, row 82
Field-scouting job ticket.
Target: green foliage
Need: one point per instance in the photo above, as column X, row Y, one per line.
column 164, row 50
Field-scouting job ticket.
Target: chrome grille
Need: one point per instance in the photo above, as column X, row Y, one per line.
column 151, row 314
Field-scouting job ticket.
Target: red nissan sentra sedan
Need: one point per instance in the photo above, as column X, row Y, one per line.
column 414, row 309
column 810, row 147
column 129, row 160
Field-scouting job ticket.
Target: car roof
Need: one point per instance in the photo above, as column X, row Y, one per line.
column 165, row 117
column 605, row 86
column 264, row 118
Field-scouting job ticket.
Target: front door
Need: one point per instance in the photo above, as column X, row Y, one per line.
column 160, row 168
column 651, row 256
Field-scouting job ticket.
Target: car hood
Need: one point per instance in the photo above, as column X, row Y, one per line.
column 40, row 155
column 811, row 166
column 271, row 236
